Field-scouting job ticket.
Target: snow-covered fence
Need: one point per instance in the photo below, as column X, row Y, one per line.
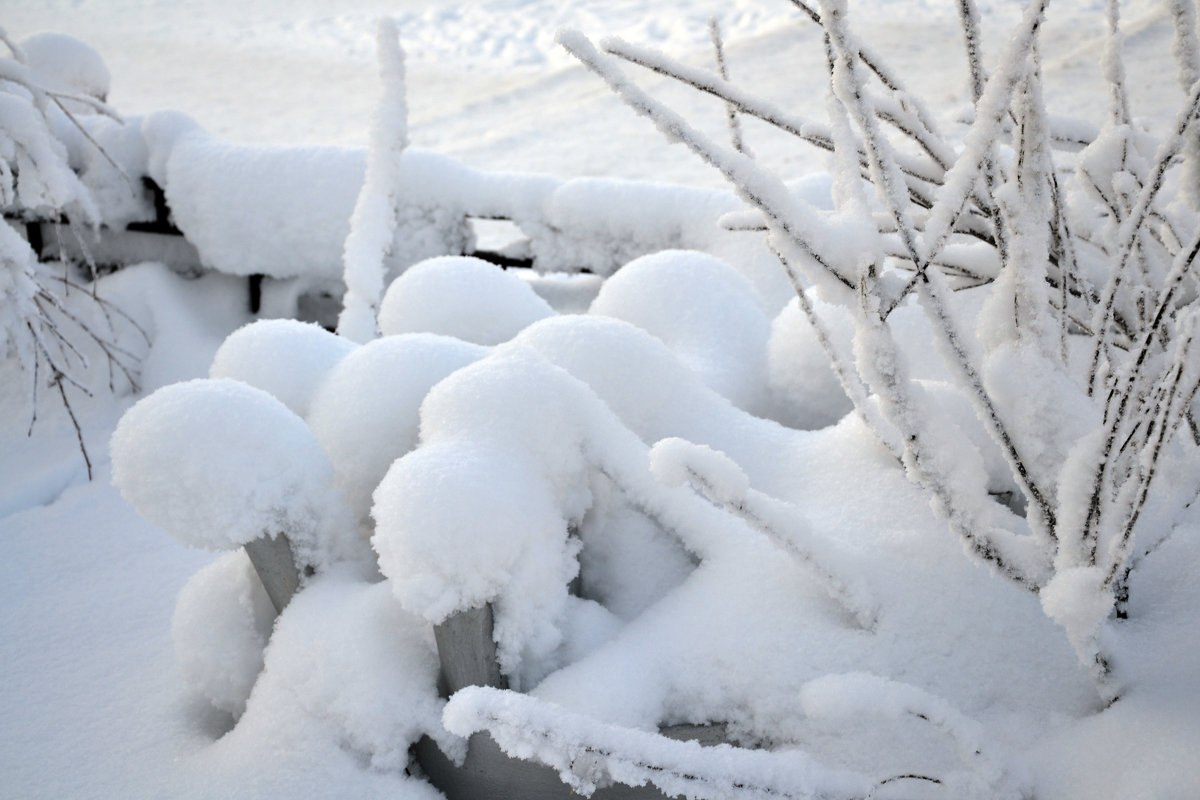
column 283, row 212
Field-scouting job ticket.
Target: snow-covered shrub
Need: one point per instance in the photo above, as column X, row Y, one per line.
column 654, row 555
column 47, row 92
column 1079, row 360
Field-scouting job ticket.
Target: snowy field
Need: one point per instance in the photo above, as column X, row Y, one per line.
column 95, row 700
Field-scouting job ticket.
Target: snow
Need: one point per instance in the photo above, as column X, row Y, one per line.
column 222, row 622
column 463, row 297
column 365, row 411
column 222, row 195
column 119, row 198
column 746, row 551
column 259, row 468
column 805, row 391
column 1076, row 600
column 74, row 63
column 703, row 310
column 285, row 358
column 373, row 224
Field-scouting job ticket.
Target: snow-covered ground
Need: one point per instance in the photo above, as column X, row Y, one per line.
column 94, row 702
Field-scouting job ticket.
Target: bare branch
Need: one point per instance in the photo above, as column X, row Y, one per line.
column 731, row 111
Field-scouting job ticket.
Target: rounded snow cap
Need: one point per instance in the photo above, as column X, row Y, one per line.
column 463, row 297
column 701, row 308
column 218, row 463
column 285, row 357
column 162, row 130
column 70, row 60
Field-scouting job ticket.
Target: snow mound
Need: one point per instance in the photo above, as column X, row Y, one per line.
column 222, row 621
column 283, row 357
column 217, row 463
column 460, row 296
column 704, row 311
column 284, row 210
column 349, row 684
column 803, row 387
column 480, row 512
column 366, row 412
column 71, row 61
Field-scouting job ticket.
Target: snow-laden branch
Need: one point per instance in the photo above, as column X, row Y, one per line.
column 719, row 480
column 798, row 224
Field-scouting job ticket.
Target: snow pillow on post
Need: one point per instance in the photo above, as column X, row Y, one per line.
column 285, row 357
column 701, row 308
column 220, row 465
column 463, row 297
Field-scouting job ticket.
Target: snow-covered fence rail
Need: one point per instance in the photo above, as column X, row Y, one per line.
column 283, row 212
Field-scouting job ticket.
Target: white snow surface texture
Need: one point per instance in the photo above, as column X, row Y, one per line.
column 743, row 551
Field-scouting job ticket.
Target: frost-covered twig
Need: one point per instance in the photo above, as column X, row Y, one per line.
column 1125, row 398
column 969, row 17
column 1114, row 66
column 1131, row 227
column 1181, row 388
column 731, row 112
column 62, row 393
column 848, row 376
column 915, row 120
column 757, row 186
column 814, row 133
column 990, row 113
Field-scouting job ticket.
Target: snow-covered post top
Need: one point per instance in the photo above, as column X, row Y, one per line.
column 219, row 465
column 480, row 512
column 286, row 358
column 373, row 224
